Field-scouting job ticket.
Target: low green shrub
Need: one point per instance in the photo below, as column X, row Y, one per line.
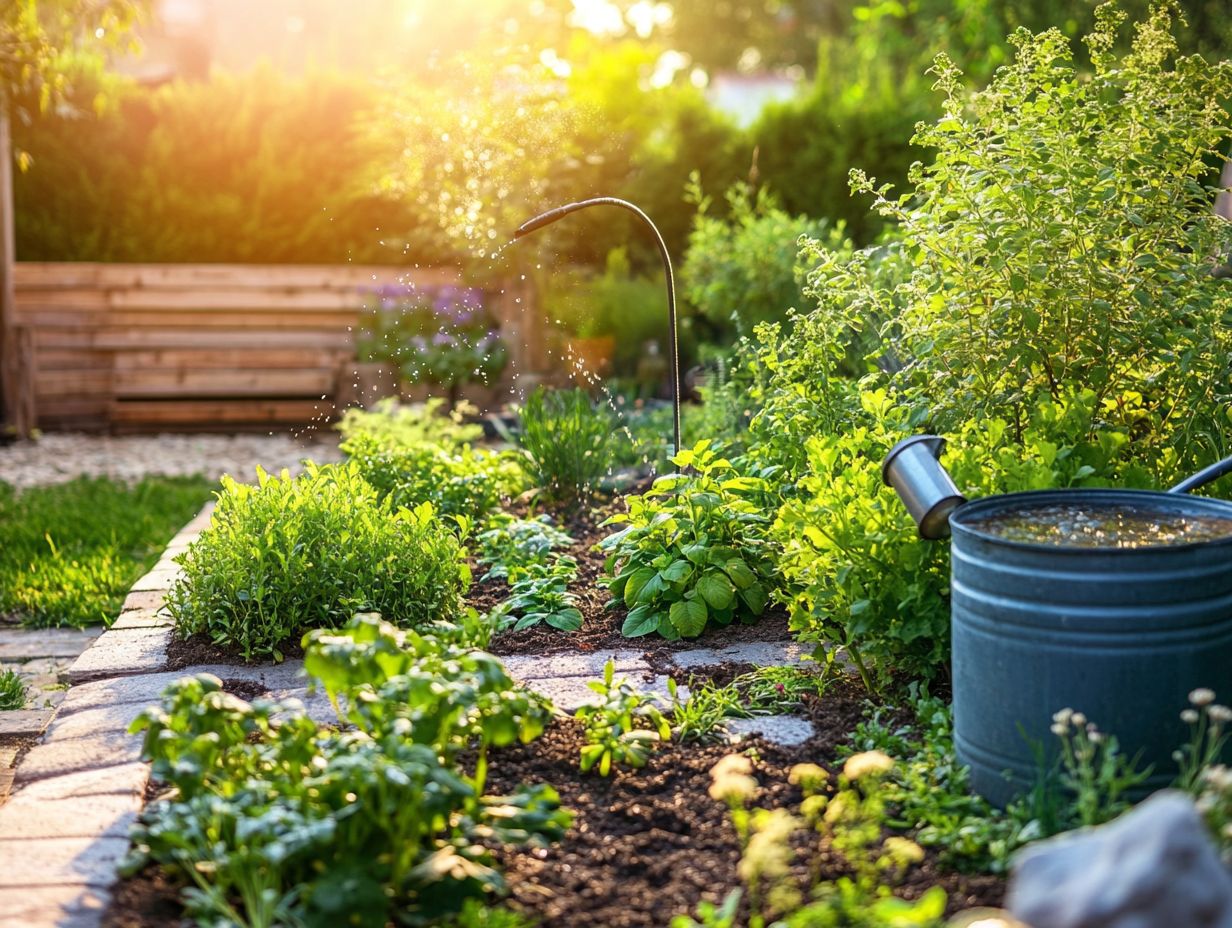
column 623, row 728
column 406, row 426
column 362, row 826
column 568, row 442
column 541, row 594
column 513, row 546
column 693, row 551
column 69, row 553
column 291, row 554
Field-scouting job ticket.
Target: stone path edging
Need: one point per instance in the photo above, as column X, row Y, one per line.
column 76, row 794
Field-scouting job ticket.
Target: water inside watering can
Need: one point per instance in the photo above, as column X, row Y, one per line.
column 1092, row 525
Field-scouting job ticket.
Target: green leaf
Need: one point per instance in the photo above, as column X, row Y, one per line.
column 716, row 589
column 567, row 620
column 641, row 621
column 688, row 617
column 638, row 579
column 741, row 574
column 755, row 597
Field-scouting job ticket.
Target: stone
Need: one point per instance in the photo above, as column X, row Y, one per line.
column 69, row 755
column 108, row 816
column 59, row 906
column 550, row 666
column 127, row 779
column 123, row 653
column 160, row 579
column 24, row 723
column 24, row 644
column 569, row 694
column 27, row 862
column 93, row 721
column 1154, row 866
column 787, row 730
column 144, row 599
column 759, row 653
column 147, row 687
column 142, row 618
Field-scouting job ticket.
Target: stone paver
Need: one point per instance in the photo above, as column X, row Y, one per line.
column 761, row 653
column 26, row 644
column 71, row 755
column 142, row 618
column 787, row 730
column 146, row 599
column 24, row 723
column 124, row 652
column 157, row 580
column 129, row 780
column 61, row 906
column 571, row 693
column 82, row 862
column 547, row 666
column 109, row 816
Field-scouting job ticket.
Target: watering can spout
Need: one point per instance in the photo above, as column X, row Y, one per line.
column 914, row 470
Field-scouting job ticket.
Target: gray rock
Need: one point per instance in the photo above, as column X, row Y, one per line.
column 1154, row 867
column 787, row 730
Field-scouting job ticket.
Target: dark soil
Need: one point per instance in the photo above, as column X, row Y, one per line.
column 199, row 649
column 645, row 845
column 648, row 845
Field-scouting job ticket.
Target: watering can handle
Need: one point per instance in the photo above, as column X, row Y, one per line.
column 1203, row 477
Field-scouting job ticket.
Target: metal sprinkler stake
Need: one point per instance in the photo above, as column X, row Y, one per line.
column 545, row 219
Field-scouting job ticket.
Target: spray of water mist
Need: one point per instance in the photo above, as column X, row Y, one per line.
column 545, row 219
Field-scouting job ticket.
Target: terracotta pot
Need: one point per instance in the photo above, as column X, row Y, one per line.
column 588, row 358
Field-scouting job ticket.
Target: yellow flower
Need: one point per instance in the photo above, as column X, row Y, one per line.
column 728, row 787
column 732, row 763
column 768, row 854
column 866, row 763
column 808, row 776
column 903, row 851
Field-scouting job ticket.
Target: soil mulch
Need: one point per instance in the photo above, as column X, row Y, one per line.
column 644, row 845
column 648, row 845
column 199, row 649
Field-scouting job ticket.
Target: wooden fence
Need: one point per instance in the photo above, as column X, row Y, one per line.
column 112, row 347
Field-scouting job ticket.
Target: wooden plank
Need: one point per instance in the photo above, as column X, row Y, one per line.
column 56, row 275
column 337, row 321
column 76, row 383
column 153, row 412
column 67, row 359
column 240, row 357
column 201, row 299
column 223, row 382
column 119, row 339
column 83, row 298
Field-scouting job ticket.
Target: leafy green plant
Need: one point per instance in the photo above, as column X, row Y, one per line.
column 567, row 439
column 1093, row 770
column 766, row 690
column 693, row 550
column 513, row 546
column 12, row 690
column 288, row 555
column 69, row 553
column 541, row 594
column 352, row 825
column 622, row 729
column 396, row 425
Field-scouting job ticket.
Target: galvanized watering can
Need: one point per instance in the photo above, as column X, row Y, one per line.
column 1121, row 634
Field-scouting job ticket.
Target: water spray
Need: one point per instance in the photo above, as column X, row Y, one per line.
column 546, row 219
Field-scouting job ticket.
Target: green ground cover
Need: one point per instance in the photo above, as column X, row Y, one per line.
column 69, row 553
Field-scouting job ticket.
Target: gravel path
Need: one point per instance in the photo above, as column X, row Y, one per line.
column 59, row 457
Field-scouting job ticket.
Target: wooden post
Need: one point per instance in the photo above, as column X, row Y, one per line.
column 16, row 391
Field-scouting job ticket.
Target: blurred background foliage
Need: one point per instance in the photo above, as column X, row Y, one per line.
column 432, row 148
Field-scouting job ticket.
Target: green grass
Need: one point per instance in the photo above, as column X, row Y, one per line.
column 69, row 553
column 12, row 691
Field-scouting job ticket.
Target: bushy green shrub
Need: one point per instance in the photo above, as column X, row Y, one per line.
column 414, row 455
column 1057, row 321
column 354, row 825
column 747, row 268
column 12, row 690
column 292, row 554
column 693, row 550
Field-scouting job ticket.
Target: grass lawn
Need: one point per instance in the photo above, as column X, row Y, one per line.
column 69, row 553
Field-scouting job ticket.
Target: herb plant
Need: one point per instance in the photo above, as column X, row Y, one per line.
column 567, row 439
column 513, row 546
column 623, row 728
column 693, row 550
column 12, row 690
column 541, row 594
column 277, row 820
column 288, row 555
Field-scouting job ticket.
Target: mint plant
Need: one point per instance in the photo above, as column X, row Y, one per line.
column 277, row 820
column 291, row 554
column 541, row 594
column 623, row 728
column 693, row 550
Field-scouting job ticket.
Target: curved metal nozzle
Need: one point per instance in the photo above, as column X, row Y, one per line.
column 914, row 470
